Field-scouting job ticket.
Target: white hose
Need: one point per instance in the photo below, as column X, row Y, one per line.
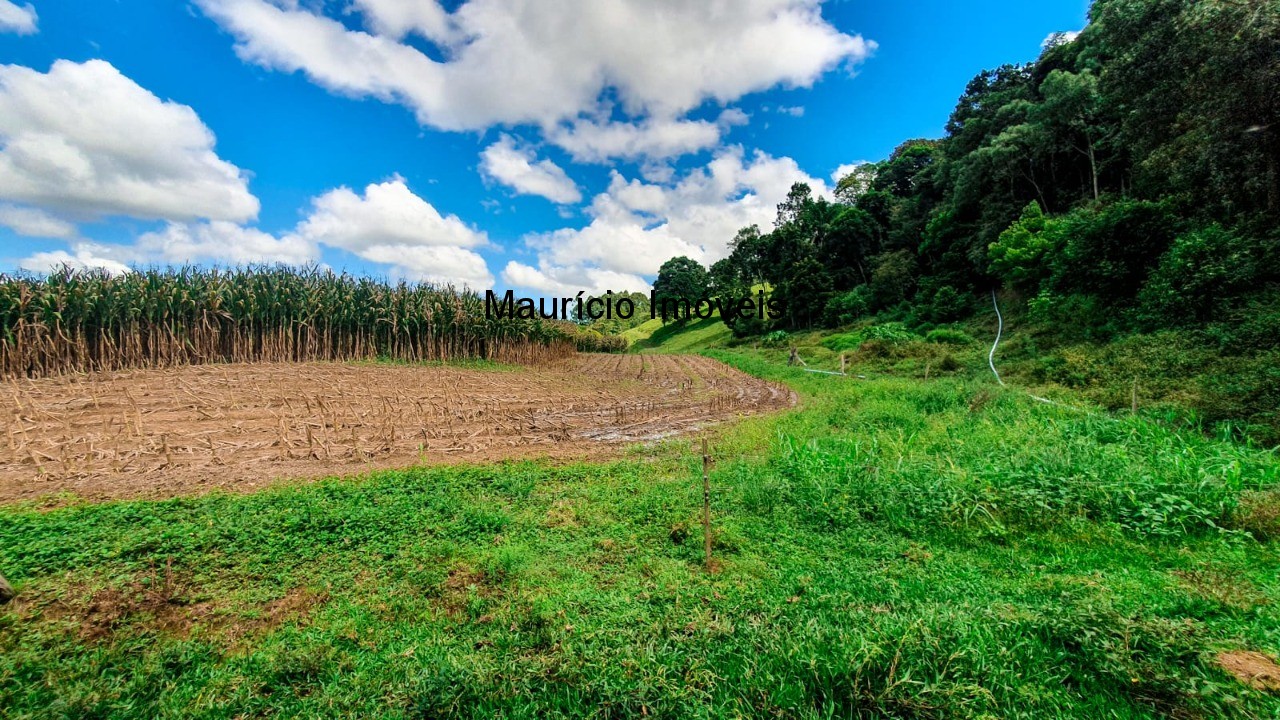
column 991, row 356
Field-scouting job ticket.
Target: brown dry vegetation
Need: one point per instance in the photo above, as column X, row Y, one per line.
column 1252, row 668
column 159, row 602
column 160, row 433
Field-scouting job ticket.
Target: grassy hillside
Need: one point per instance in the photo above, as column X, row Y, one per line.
column 642, row 331
column 1176, row 376
column 692, row 336
column 892, row 547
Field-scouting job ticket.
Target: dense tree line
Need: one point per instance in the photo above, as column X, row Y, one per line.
column 1126, row 180
column 612, row 323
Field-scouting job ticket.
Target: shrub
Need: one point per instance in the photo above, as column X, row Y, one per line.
column 893, row 278
column 890, row 332
column 1075, row 316
column 777, row 338
column 1110, row 249
column 1194, row 278
column 747, row 325
column 949, row 336
column 841, row 342
column 1252, row 327
column 848, row 307
column 1025, row 251
column 947, row 305
column 883, row 334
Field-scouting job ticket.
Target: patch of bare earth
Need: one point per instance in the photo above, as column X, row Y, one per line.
column 187, row 430
column 452, row 595
column 96, row 615
column 1252, row 668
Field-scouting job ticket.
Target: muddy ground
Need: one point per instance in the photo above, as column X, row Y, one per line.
column 186, row 430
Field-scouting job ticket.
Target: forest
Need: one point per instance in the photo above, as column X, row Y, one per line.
column 1124, row 184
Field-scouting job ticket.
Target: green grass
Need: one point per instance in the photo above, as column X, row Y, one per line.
column 692, row 336
column 892, row 547
column 1182, row 376
column 642, row 331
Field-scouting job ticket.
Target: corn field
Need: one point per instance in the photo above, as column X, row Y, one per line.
column 82, row 321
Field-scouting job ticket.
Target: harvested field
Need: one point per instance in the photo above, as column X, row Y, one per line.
column 185, row 430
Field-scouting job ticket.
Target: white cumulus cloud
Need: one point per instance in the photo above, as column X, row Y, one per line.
column 443, row 265
column 521, row 61
column 218, row 242
column 83, row 256
column 591, row 141
column 20, row 19
column 85, row 141
column 845, row 170
column 569, row 280
column 223, row 243
column 34, row 223
column 388, row 213
column 397, row 18
column 388, row 224
column 518, row 169
column 637, row 225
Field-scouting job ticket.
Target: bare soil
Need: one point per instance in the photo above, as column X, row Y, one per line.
column 1252, row 668
column 187, row 430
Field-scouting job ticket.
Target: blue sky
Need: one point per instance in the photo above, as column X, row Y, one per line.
column 547, row 147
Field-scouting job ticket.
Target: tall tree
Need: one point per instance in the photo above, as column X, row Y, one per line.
column 682, row 280
column 1071, row 111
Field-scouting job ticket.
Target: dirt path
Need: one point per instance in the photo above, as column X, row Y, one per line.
column 162, row 433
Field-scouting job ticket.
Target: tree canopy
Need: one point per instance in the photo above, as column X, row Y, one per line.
column 1133, row 170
